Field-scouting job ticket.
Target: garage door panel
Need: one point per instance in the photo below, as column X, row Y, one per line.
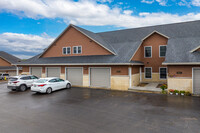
column 196, row 81
column 100, row 77
column 75, row 76
column 37, row 71
column 53, row 72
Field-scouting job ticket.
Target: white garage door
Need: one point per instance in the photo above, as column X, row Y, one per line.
column 53, row 71
column 37, row 71
column 100, row 77
column 75, row 76
column 196, row 81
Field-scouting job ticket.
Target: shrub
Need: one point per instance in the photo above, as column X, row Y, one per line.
column 187, row 93
column 176, row 91
column 171, row 90
column 164, row 92
column 182, row 92
column 163, row 86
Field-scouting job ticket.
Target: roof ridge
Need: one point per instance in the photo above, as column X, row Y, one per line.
column 150, row 26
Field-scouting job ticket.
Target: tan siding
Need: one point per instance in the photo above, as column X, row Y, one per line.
column 4, row 62
column 71, row 38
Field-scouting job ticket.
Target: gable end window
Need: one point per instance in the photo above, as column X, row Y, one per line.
column 64, row 50
column 67, row 50
column 148, row 52
column 163, row 51
column 148, row 72
column 77, row 49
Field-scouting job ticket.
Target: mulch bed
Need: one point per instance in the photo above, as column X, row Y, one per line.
column 142, row 84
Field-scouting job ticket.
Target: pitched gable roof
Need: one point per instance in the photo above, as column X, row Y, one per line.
column 8, row 57
column 96, row 38
column 87, row 33
column 125, row 42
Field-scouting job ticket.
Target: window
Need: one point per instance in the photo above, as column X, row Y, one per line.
column 53, row 80
column 163, row 51
column 34, row 77
column 25, row 78
column 148, row 72
column 148, row 52
column 163, row 73
column 67, row 50
column 77, row 50
column 64, row 50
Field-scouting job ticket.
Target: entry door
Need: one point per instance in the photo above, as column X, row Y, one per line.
column 196, row 81
column 75, row 76
column 100, row 77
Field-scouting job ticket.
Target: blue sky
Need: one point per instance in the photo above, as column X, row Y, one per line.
column 29, row 26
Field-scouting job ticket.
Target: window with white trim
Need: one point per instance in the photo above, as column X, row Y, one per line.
column 67, row 50
column 77, row 49
column 163, row 73
column 148, row 72
column 148, row 51
column 64, row 50
column 163, row 50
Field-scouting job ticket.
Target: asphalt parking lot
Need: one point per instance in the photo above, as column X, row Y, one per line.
column 82, row 110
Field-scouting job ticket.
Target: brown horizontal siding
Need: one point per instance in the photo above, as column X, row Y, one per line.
column 4, row 62
column 73, row 37
column 115, row 70
column 180, row 71
column 155, row 40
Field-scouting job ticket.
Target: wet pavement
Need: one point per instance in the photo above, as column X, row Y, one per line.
column 82, row 110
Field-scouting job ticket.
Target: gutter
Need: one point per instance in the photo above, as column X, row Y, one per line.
column 80, row 64
column 182, row 63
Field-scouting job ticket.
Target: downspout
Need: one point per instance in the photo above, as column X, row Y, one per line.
column 140, row 74
column 17, row 70
column 130, row 76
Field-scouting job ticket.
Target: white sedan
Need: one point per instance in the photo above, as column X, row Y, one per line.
column 47, row 85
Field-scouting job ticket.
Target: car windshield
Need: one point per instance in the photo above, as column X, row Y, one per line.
column 13, row 79
column 42, row 81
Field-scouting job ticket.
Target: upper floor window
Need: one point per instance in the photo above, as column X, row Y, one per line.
column 163, row 51
column 77, row 50
column 67, row 50
column 148, row 51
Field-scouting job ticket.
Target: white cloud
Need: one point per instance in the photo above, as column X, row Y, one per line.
column 90, row 12
column 21, row 56
column 162, row 2
column 24, row 43
column 147, row 1
column 196, row 2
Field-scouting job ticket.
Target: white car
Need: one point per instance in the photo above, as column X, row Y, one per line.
column 21, row 82
column 47, row 85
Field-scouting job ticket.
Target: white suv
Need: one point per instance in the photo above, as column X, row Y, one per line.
column 21, row 82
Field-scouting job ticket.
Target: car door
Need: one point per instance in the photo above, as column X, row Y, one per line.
column 27, row 80
column 34, row 78
column 62, row 83
column 53, row 83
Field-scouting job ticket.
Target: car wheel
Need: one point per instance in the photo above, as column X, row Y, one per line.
column 49, row 90
column 22, row 87
column 68, row 86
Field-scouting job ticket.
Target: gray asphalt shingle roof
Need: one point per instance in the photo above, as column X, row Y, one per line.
column 10, row 58
column 5, row 68
column 183, row 37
